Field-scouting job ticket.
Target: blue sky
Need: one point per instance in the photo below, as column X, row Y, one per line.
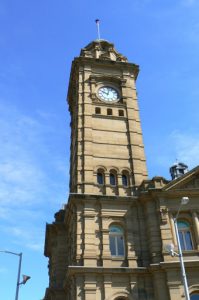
column 38, row 40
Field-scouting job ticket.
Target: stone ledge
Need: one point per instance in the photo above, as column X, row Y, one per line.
column 174, row 265
column 105, row 270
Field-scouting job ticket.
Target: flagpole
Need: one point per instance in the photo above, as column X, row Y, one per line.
column 97, row 21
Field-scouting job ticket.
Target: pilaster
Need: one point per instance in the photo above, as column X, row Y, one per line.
column 89, row 253
column 196, row 227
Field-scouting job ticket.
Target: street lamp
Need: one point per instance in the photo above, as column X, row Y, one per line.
column 170, row 249
column 25, row 277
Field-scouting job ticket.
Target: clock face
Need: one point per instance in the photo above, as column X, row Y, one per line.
column 109, row 94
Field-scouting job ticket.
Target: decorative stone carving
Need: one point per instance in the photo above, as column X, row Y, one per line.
column 102, row 50
column 163, row 215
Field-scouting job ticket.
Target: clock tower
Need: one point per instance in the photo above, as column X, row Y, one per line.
column 107, row 152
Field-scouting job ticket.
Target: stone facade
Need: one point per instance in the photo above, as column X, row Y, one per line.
column 106, row 140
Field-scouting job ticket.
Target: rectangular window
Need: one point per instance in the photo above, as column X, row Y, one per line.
column 98, row 110
column 121, row 113
column 109, row 112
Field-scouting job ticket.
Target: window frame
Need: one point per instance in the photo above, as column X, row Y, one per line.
column 182, row 232
column 112, row 175
column 98, row 110
column 99, row 172
column 126, row 178
column 121, row 113
column 115, row 236
column 109, row 112
column 196, row 293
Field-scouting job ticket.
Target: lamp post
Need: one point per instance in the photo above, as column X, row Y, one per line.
column 25, row 277
column 170, row 249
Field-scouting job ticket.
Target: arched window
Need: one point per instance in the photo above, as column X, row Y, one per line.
column 185, row 235
column 194, row 296
column 116, row 239
column 112, row 179
column 124, row 180
column 100, row 177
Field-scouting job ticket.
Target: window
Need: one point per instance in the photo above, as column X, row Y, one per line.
column 121, row 113
column 124, row 180
column 185, row 235
column 112, row 179
column 100, row 178
column 194, row 296
column 98, row 110
column 109, row 112
column 116, row 239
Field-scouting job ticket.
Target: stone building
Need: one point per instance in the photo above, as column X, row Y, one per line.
column 108, row 243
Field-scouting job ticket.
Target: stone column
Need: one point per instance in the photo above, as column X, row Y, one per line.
column 130, row 243
column 175, row 292
column 173, row 229
column 100, row 288
column 174, row 284
column 108, row 187
column 120, row 186
column 196, row 228
column 106, row 255
column 153, row 232
column 79, row 241
column 160, row 286
column 90, row 258
column 79, row 288
column 107, row 286
column 87, row 151
column 90, row 287
column 136, row 147
column 150, row 289
column 79, row 137
column 134, row 286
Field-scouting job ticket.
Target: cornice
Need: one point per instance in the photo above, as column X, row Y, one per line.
column 78, row 198
column 72, row 270
column 100, row 62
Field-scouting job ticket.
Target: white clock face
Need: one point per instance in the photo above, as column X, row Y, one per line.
column 109, row 94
